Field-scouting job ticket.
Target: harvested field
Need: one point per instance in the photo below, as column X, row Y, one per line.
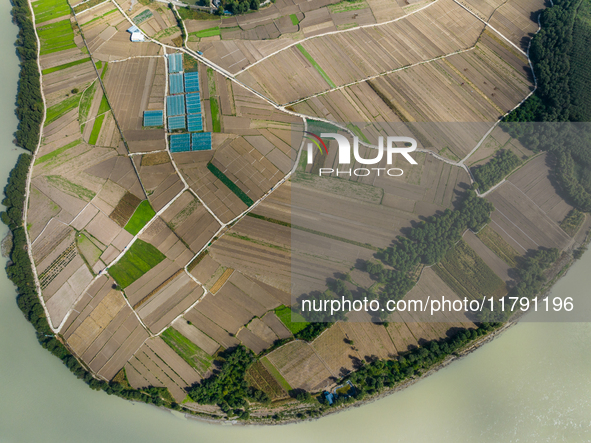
column 210, row 328
column 125, row 209
column 333, row 349
column 168, row 301
column 528, row 210
column 134, row 86
column 221, row 281
column 518, row 20
column 298, row 363
column 369, row 340
column 252, row 341
column 345, row 57
column 271, row 320
column 102, row 330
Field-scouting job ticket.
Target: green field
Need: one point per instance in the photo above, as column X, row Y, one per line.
column 142, row 215
column 56, row 37
column 215, row 115
column 230, row 184
column 64, row 66
column 62, row 108
column 294, row 19
column 57, row 152
column 85, row 102
column 275, row 373
column 50, row 9
column 139, row 259
column 209, row 32
column 98, row 122
column 467, row 274
column 316, row 65
column 188, row 350
column 285, row 314
column 98, row 18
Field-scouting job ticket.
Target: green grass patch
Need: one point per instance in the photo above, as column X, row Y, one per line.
column 71, row 188
column 209, row 32
column 104, row 70
column 316, row 66
column 142, row 215
column 189, row 351
column 467, row 274
column 230, row 184
column 49, row 9
column 139, row 259
column 96, row 129
column 190, row 64
column 85, row 102
column 65, row 66
column 56, row 37
column 347, row 5
column 275, row 373
column 294, row 19
column 215, row 115
column 62, row 108
column 98, row 122
column 99, row 17
column 292, row 320
column 211, row 82
column 57, row 152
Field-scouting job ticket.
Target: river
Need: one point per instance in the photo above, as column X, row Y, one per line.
column 532, row 384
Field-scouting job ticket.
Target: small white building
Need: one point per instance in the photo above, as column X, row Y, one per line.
column 136, row 34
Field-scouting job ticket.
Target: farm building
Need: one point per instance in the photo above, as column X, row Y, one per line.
column 153, row 118
column 201, row 141
column 176, row 122
column 195, row 122
column 175, row 63
column 136, row 34
column 180, row 142
column 175, row 105
column 176, row 83
column 192, row 81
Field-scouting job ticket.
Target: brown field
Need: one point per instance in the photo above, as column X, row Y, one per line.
column 332, row 348
column 518, row 20
column 156, row 363
column 211, row 329
column 345, row 56
column 528, row 210
column 162, row 183
column 129, row 96
column 271, row 320
column 102, row 330
column 298, row 363
column 252, row 341
column 108, row 39
column 168, row 302
column 191, row 222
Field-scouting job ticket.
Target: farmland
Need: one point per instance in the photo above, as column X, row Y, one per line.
column 169, row 306
column 140, row 258
column 190, row 352
column 140, row 217
column 465, row 272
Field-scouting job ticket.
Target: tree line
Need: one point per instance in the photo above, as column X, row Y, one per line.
column 560, row 55
column 492, row 172
column 29, row 102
